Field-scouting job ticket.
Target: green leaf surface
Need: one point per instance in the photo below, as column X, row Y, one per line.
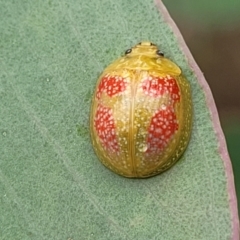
column 52, row 185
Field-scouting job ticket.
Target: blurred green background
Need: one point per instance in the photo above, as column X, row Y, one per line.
column 211, row 30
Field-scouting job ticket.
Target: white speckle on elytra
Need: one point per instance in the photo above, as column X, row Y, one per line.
column 158, row 130
column 168, row 133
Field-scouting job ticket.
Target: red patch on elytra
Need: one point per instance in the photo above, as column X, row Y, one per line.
column 112, row 85
column 106, row 129
column 157, row 86
column 162, row 126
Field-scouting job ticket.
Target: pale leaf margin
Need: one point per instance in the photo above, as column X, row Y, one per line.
column 223, row 152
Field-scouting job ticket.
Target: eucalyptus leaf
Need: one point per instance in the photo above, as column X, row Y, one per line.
column 52, row 185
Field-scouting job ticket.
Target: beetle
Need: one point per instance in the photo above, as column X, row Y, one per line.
column 141, row 113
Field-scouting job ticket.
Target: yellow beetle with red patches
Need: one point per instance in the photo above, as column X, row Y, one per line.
column 141, row 113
